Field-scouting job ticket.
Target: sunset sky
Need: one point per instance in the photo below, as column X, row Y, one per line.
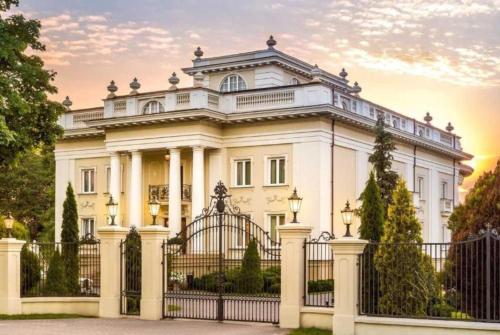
column 441, row 57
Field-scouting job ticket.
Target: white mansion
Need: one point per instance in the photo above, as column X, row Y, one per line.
column 263, row 122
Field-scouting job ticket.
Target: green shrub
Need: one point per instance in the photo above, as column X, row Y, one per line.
column 272, row 279
column 322, row 285
column 56, row 277
column 175, row 240
column 251, row 279
column 207, row 282
column 30, row 270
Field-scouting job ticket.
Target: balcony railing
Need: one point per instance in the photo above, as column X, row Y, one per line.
column 259, row 100
column 161, row 192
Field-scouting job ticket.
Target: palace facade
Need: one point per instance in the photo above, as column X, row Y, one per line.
column 264, row 123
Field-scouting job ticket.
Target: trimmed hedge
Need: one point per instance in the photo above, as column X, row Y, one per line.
column 322, row 285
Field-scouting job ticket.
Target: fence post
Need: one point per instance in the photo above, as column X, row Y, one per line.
column 110, row 236
column 346, row 251
column 152, row 238
column 10, row 276
column 292, row 272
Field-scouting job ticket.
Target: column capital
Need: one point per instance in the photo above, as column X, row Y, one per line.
column 154, row 232
column 348, row 246
column 293, row 230
column 174, row 150
column 198, row 148
column 11, row 245
column 135, row 151
column 112, row 231
column 114, row 153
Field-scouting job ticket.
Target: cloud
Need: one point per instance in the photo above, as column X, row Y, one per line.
column 92, row 18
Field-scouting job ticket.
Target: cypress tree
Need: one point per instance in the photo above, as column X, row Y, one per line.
column 404, row 283
column 70, row 242
column 371, row 213
column 381, row 159
column 251, row 278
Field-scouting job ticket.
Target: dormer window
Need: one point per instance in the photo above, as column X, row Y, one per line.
column 294, row 81
column 233, row 83
column 153, row 107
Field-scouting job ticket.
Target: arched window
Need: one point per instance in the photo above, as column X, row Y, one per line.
column 294, row 81
column 233, row 83
column 153, row 107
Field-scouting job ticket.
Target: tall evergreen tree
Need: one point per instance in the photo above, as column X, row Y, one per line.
column 381, row 159
column 251, row 279
column 371, row 213
column 70, row 241
column 56, row 284
column 404, row 278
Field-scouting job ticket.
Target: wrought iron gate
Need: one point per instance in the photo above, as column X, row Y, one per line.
column 130, row 274
column 222, row 266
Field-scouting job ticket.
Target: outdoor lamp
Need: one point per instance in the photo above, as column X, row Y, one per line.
column 294, row 201
column 9, row 223
column 154, row 208
column 347, row 214
column 112, row 209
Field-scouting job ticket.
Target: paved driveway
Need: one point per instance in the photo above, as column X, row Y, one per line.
column 134, row 326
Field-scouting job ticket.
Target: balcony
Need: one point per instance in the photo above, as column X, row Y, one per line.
column 161, row 192
column 446, row 206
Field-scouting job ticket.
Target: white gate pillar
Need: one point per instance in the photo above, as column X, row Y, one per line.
column 292, row 272
column 10, row 276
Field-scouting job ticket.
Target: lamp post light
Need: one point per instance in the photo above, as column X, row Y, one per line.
column 154, row 208
column 294, row 201
column 112, row 209
column 347, row 214
column 9, row 223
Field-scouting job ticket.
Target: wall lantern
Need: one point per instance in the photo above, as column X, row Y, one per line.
column 9, row 223
column 112, row 209
column 347, row 215
column 294, row 201
column 154, row 208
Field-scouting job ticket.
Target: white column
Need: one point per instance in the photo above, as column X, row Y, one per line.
column 10, row 276
column 198, row 183
column 174, row 189
column 115, row 184
column 135, row 195
column 434, row 216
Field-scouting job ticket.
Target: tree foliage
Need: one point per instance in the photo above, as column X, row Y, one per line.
column 467, row 259
column 56, row 277
column 28, row 118
column 19, row 231
column 251, row 279
column 69, row 239
column 405, row 286
column 27, row 190
column 30, row 270
column 371, row 212
column 381, row 159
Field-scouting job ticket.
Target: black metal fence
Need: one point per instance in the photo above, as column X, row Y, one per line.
column 451, row 281
column 318, row 271
column 130, row 273
column 61, row 269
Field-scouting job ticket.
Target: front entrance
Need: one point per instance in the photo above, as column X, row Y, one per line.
column 222, row 266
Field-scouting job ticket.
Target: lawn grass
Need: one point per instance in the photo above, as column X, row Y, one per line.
column 310, row 331
column 41, row 316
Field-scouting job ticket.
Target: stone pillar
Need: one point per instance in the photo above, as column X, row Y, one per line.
column 174, row 191
column 135, row 195
column 198, row 184
column 110, row 236
column 10, row 276
column 115, row 183
column 292, row 273
column 152, row 238
column 345, row 271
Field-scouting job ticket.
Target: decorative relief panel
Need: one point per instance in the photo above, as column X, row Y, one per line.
column 275, row 198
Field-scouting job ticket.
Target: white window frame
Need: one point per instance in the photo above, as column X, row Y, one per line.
column 420, row 187
column 444, row 189
column 269, row 217
column 159, row 107
column 267, row 172
column 82, row 180
column 234, row 244
column 82, row 220
column 234, row 169
column 228, row 78
column 294, row 81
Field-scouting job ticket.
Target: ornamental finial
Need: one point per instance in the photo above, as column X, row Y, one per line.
column 449, row 127
column 174, row 81
column 67, row 103
column 343, row 73
column 428, row 118
column 112, row 88
column 271, row 42
column 135, row 85
column 356, row 88
column 198, row 53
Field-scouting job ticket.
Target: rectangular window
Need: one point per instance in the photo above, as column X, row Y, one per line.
column 277, row 171
column 87, row 227
column 243, row 172
column 88, row 181
column 372, row 112
column 275, row 220
column 420, row 187
column 241, row 234
column 444, row 189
